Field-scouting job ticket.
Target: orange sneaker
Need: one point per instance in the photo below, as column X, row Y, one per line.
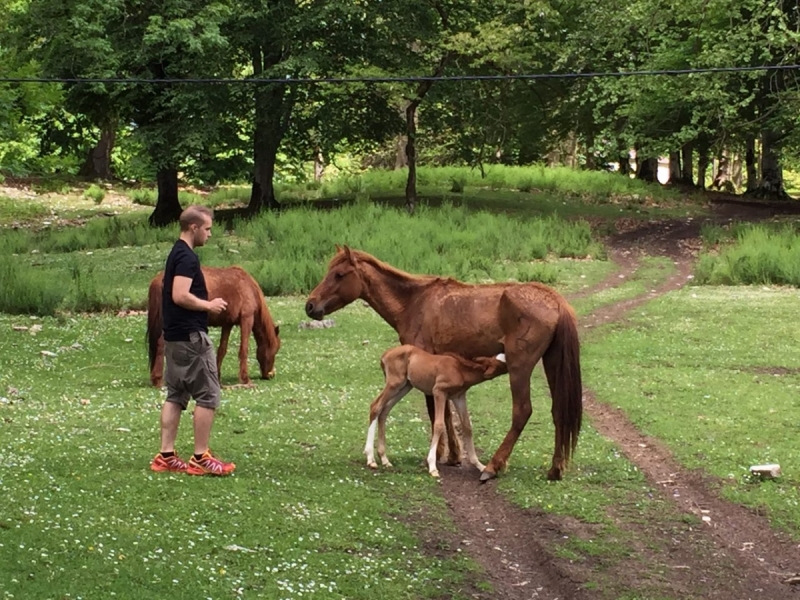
column 209, row 465
column 173, row 464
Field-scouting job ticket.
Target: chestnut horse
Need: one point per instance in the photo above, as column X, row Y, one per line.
column 246, row 308
column 445, row 377
column 527, row 321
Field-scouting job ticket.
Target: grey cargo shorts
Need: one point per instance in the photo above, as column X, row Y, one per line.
column 192, row 371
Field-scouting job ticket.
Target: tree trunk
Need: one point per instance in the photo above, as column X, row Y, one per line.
column 319, row 164
column 771, row 183
column 702, row 167
column 400, row 159
column 625, row 163
column 674, row 168
column 646, row 168
column 751, row 164
column 411, row 130
column 736, row 171
column 591, row 159
column 411, row 155
column 98, row 161
column 722, row 176
column 273, row 109
column 168, row 208
column 687, row 168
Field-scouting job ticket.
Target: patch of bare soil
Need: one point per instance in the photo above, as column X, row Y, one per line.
column 727, row 552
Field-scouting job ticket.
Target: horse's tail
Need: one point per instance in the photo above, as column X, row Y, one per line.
column 154, row 320
column 562, row 365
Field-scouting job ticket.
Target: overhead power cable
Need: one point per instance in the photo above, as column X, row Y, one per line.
column 288, row 80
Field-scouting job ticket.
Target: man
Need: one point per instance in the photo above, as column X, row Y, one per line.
column 191, row 362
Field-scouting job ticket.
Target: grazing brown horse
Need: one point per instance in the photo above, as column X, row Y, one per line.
column 246, row 308
column 527, row 321
column 443, row 376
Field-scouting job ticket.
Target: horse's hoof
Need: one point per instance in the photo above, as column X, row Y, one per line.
column 487, row 475
column 554, row 474
column 372, row 465
column 269, row 375
column 435, row 473
column 387, row 464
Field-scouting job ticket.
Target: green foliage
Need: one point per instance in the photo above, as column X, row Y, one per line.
column 20, row 209
column 107, row 263
column 96, row 193
column 28, row 291
column 759, row 254
column 143, row 196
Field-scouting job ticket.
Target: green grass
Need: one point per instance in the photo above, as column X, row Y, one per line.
column 21, row 210
column 751, row 254
column 652, row 271
column 108, row 263
column 84, row 516
column 694, row 370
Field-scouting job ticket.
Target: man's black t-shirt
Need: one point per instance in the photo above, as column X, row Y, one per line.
column 179, row 322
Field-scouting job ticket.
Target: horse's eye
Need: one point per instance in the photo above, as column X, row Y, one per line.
column 339, row 275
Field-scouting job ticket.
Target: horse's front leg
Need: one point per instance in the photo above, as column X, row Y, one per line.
column 246, row 326
column 460, row 403
column 223, row 347
column 519, row 376
column 392, row 392
column 440, row 402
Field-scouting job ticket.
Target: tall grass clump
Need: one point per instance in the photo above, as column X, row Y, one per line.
column 130, row 230
column 143, row 197
column 294, row 246
column 95, row 193
column 758, row 254
column 20, row 210
column 28, row 291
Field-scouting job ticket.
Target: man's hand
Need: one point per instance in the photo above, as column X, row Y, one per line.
column 217, row 305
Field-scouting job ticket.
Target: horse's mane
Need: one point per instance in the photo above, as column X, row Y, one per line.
column 386, row 268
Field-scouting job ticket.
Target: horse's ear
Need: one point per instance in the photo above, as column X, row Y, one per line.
column 348, row 254
column 277, row 329
column 338, row 248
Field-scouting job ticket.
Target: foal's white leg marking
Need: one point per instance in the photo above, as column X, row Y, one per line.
column 460, row 404
column 369, row 448
column 384, row 414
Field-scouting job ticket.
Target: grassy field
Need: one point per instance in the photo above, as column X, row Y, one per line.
column 86, row 517
column 711, row 371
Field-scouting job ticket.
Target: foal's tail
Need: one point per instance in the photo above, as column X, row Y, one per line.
column 154, row 322
column 562, row 365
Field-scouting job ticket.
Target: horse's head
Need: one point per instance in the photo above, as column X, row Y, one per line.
column 492, row 366
column 341, row 285
column 265, row 353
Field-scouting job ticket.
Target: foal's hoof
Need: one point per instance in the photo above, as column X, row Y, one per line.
column 435, row 473
column 372, row 465
column 554, row 474
column 269, row 375
column 487, row 475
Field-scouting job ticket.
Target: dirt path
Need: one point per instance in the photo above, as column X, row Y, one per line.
column 733, row 554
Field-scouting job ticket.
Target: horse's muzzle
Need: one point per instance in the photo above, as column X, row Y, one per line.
column 313, row 311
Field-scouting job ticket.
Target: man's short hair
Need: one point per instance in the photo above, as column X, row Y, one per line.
column 194, row 215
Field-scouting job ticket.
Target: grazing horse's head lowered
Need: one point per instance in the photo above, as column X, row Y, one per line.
column 341, row 286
